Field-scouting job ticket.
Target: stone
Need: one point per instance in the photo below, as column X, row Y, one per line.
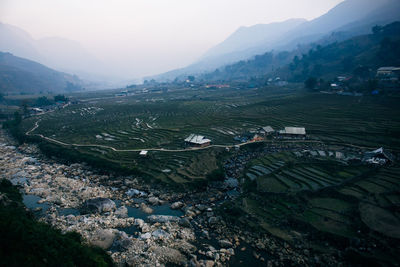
column 159, row 233
column 145, row 208
column 153, row 200
column 225, row 243
column 134, row 192
column 162, row 218
column 184, row 222
column 121, row 212
column 145, row 236
column 97, row 205
column 176, row 205
column 231, row 183
column 213, row 220
column 139, row 223
column 103, row 238
column 169, row 255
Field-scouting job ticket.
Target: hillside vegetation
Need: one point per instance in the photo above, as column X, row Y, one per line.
column 321, row 61
column 26, row 242
column 22, row 76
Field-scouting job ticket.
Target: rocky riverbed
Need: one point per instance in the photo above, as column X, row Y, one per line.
column 136, row 223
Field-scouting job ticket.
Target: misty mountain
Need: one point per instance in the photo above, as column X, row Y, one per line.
column 19, row 75
column 58, row 53
column 18, row 42
column 249, row 37
column 362, row 53
column 349, row 18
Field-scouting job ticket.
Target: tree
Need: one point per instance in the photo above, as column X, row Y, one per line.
column 43, row 101
column 376, row 29
column 191, row 78
column 17, row 118
column 25, row 107
column 72, row 87
column 310, row 83
column 61, row 98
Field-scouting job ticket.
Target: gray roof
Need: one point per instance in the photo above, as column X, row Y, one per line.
column 388, row 68
column 197, row 139
column 293, row 130
column 268, row 129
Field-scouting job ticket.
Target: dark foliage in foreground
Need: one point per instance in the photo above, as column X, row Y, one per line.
column 26, row 242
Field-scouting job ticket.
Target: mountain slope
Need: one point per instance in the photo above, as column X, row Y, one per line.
column 351, row 18
column 59, row 53
column 249, row 37
column 19, row 75
column 327, row 61
column 18, row 42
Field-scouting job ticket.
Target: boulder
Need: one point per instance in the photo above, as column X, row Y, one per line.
column 169, row 255
column 139, row 223
column 184, row 222
column 162, row 218
column 103, row 238
column 176, row 205
column 153, row 200
column 212, row 220
column 145, row 208
column 121, row 212
column 231, row 183
column 225, row 243
column 97, row 205
column 145, row 236
column 134, row 192
column 159, row 233
column 122, row 242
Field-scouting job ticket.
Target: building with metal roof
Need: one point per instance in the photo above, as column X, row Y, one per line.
column 197, row 140
column 293, row 132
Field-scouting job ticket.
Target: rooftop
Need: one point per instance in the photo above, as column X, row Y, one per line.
column 294, row 130
column 389, row 69
column 197, row 139
column 267, row 129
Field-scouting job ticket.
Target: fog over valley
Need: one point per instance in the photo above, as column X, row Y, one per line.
column 128, row 40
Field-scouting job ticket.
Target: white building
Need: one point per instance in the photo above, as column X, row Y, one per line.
column 293, row 132
column 197, row 140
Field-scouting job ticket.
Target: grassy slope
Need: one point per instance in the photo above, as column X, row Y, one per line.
column 137, row 123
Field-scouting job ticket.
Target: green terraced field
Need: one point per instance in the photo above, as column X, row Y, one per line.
column 285, row 173
column 163, row 120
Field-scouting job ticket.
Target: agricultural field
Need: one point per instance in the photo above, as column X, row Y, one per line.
column 115, row 129
column 321, row 198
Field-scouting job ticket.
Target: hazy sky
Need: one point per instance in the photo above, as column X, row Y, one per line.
column 142, row 37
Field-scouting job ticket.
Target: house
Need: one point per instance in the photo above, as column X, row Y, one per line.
column 197, row 141
column 388, row 77
column 267, row 130
column 143, row 153
column 293, row 132
column 378, row 156
column 388, row 73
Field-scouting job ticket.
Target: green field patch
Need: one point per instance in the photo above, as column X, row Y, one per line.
column 380, row 220
column 337, row 205
column 325, row 224
column 270, row 184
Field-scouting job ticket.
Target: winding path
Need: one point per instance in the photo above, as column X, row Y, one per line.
column 29, row 133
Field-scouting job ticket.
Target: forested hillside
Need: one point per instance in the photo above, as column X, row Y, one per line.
column 22, row 76
column 381, row 48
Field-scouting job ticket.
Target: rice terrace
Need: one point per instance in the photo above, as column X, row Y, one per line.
column 319, row 181
column 161, row 122
column 200, row 133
